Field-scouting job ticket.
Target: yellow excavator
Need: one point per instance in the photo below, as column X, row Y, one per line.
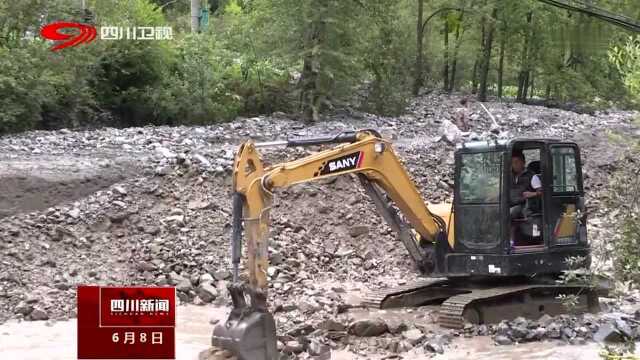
column 481, row 262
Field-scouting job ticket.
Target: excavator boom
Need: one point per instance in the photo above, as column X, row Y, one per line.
column 367, row 155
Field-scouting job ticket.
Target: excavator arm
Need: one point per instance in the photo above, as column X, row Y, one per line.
column 369, row 156
column 384, row 178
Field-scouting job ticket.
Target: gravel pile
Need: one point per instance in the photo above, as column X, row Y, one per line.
column 168, row 221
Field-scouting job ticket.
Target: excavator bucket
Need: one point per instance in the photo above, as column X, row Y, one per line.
column 250, row 331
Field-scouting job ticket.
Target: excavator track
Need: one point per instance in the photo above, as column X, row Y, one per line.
column 469, row 303
column 452, row 310
column 474, row 306
column 378, row 299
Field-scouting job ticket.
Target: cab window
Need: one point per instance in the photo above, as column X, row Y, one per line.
column 565, row 175
column 480, row 177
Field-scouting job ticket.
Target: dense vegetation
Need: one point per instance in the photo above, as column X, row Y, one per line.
column 304, row 56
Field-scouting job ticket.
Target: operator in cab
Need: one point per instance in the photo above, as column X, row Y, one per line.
column 524, row 184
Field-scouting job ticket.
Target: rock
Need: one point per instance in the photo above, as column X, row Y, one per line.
column 503, row 340
column 62, row 286
column 578, row 341
column 207, row 292
column 175, row 219
column 519, row 331
column 205, row 278
column 302, row 330
column 358, row 230
column 503, row 328
column 399, row 347
column 545, row 320
column 146, row 266
column 202, row 160
column 309, row 305
column 449, row 132
column 152, row 230
column 368, row 327
column 165, row 152
column 120, row 190
column 317, row 349
column 332, row 325
column 163, row 170
column 553, row 331
column 568, row 333
column 199, row 205
column 23, row 308
column 582, row 331
column 624, row 328
column 396, row 326
column 275, row 258
column 607, row 333
column 222, row 274
column 434, row 347
column 540, row 333
column 74, row 213
column 184, row 285
column 38, row 314
column 483, row 330
column 529, row 122
column 413, row 336
column 292, row 347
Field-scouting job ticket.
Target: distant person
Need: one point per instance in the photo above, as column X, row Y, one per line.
column 462, row 116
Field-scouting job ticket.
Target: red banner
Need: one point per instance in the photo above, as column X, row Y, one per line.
column 126, row 322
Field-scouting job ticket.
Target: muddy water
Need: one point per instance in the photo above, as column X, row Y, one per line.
column 37, row 341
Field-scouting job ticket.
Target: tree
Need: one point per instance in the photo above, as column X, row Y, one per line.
column 486, row 56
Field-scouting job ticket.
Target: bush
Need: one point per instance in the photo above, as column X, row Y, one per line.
column 41, row 89
column 625, row 196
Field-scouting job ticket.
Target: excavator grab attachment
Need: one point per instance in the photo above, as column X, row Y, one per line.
column 250, row 330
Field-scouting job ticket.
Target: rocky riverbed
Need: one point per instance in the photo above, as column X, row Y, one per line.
column 151, row 206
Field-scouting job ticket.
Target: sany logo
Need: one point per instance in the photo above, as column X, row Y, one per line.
column 52, row 32
column 343, row 163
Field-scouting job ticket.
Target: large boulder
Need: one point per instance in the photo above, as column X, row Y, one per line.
column 368, row 327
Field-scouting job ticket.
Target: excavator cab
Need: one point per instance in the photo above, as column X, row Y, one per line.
column 549, row 228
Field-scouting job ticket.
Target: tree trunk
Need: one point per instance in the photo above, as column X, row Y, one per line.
column 310, row 96
column 503, row 42
column 486, row 57
column 418, row 81
column 454, row 63
column 531, row 81
column 547, row 94
column 445, row 69
column 477, row 62
column 525, row 86
column 195, row 16
column 523, row 76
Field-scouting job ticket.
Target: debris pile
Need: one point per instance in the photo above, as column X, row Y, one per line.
column 165, row 220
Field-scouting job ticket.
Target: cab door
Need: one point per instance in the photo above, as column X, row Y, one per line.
column 564, row 196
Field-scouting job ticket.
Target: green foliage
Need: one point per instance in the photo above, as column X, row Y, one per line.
column 197, row 89
column 626, row 351
column 386, row 60
column 626, row 58
column 624, row 195
column 40, row 89
column 578, row 273
column 306, row 56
